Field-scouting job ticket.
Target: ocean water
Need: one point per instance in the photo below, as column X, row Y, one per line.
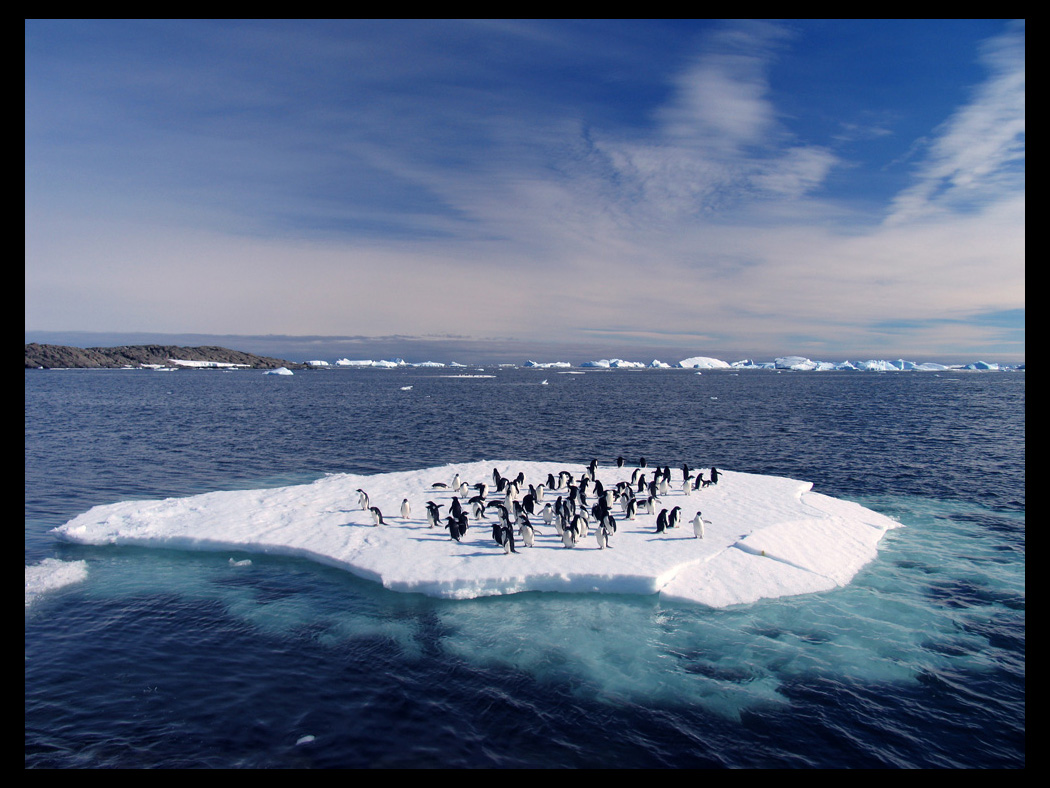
column 176, row 659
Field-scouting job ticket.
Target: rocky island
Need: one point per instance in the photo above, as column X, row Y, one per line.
column 66, row 357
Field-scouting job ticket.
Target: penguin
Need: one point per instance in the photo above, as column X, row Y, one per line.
column 433, row 513
column 698, row 526
column 619, row 462
column 676, row 517
column 461, row 524
column 362, row 499
column 526, row 531
column 548, row 514
column 569, row 536
column 406, row 510
column 455, row 482
column 631, row 510
column 661, row 522
column 455, row 509
column 580, row 524
column 507, row 539
column 438, row 486
column 714, row 475
column 605, row 529
column 377, row 516
column 453, row 528
column 641, row 462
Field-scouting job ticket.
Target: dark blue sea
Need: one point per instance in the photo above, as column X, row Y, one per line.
column 162, row 658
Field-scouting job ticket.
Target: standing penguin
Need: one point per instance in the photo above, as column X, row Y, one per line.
column 377, row 516
column 406, row 510
column 362, row 499
column 661, row 522
column 601, row 536
column 525, row 529
column 433, row 513
column 675, row 519
column 698, row 526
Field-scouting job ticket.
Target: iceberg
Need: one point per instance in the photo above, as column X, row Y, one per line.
column 765, row 536
column 703, row 362
column 279, row 371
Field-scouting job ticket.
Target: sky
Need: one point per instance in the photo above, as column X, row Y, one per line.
column 832, row 189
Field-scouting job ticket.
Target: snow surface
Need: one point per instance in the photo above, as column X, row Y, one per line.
column 767, row 536
column 51, row 574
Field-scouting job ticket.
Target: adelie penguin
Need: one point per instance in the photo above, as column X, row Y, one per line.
column 453, row 528
column 675, row 518
column 525, row 530
column 377, row 516
column 698, row 526
column 362, row 499
column 406, row 510
column 433, row 513
column 661, row 522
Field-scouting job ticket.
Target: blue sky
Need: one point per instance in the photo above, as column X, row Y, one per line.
column 824, row 188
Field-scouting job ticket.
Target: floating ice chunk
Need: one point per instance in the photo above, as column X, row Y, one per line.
column 768, row 536
column 50, row 574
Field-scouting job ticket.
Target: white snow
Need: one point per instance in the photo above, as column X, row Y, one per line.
column 207, row 364
column 51, row 574
column 768, row 536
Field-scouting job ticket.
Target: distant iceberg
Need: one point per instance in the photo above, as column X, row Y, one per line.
column 703, row 362
column 279, row 371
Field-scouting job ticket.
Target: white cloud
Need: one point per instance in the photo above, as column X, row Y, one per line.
column 979, row 153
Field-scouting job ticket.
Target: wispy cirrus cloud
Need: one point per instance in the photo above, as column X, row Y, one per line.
column 978, row 154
